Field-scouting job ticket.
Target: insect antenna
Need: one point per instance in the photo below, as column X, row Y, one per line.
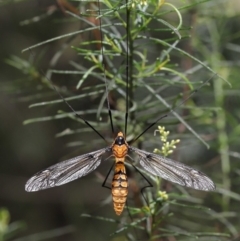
column 172, row 110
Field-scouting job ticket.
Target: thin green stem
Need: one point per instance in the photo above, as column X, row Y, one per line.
column 221, row 122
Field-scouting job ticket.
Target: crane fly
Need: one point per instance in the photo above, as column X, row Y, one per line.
column 74, row 168
column 157, row 165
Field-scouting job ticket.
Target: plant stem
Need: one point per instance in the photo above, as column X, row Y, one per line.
column 222, row 140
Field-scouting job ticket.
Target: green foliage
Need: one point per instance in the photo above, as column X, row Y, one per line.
column 4, row 221
column 9, row 230
column 157, row 85
column 167, row 147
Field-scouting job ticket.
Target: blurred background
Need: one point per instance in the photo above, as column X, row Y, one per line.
column 210, row 32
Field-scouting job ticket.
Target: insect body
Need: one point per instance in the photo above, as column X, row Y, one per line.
column 119, row 182
column 79, row 166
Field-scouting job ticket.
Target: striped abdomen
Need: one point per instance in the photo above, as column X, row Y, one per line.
column 119, row 187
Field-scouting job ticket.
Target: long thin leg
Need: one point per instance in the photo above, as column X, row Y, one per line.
column 127, row 65
column 77, row 115
column 149, row 183
column 172, row 110
column 105, row 180
column 104, row 68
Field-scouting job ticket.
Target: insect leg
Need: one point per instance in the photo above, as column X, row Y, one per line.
column 105, row 180
column 149, row 183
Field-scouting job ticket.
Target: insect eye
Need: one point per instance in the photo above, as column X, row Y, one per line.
column 119, row 141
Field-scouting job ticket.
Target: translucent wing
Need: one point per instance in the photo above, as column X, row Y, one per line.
column 66, row 171
column 173, row 171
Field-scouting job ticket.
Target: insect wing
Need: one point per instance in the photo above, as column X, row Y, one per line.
column 173, row 171
column 66, row 171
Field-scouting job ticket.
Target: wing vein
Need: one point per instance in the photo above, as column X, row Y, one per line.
column 66, row 171
column 173, row 171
